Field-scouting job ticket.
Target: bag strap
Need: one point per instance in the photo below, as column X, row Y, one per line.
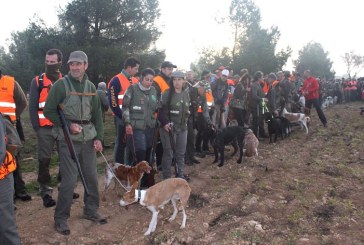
column 40, row 82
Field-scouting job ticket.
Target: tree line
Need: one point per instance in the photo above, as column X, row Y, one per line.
column 109, row 31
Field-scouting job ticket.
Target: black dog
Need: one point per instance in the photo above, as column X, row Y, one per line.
column 286, row 125
column 274, row 126
column 233, row 135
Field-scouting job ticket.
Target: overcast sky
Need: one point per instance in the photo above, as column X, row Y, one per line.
column 190, row 25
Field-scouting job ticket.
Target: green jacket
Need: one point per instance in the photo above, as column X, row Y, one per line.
column 178, row 112
column 139, row 107
column 90, row 109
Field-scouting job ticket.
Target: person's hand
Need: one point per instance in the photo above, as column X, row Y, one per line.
column 128, row 129
column 97, row 145
column 265, row 99
column 167, row 127
column 75, row 128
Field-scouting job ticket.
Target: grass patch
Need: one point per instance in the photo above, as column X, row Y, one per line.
column 33, row 186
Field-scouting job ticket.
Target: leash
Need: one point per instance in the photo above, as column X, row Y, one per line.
column 112, row 171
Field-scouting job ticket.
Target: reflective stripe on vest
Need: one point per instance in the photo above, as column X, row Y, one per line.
column 124, row 83
column 7, row 103
column 47, row 84
column 163, row 85
column 8, row 166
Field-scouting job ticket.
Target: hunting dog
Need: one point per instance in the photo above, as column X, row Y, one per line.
column 296, row 118
column 233, row 135
column 275, row 126
column 250, row 143
column 128, row 175
column 155, row 197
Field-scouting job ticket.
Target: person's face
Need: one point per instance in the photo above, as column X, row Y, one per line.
column 305, row 74
column 189, row 76
column 178, row 83
column 167, row 71
column 223, row 78
column 51, row 59
column 147, row 81
column 207, row 77
column 132, row 70
column 78, row 69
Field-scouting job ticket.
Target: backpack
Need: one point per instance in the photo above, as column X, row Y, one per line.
column 14, row 144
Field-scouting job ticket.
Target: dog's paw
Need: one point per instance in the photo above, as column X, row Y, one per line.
column 183, row 226
column 220, row 165
column 238, row 161
column 147, row 233
column 123, row 203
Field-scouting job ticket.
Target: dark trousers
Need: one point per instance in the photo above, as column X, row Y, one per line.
column 316, row 104
column 257, row 122
column 8, row 231
column 87, row 157
column 190, row 147
column 140, row 145
column 19, row 184
column 119, row 150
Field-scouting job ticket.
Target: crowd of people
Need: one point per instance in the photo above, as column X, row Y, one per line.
column 161, row 115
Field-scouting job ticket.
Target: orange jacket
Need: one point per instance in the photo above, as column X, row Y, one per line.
column 163, row 85
column 7, row 102
column 124, row 83
column 8, row 166
column 46, row 85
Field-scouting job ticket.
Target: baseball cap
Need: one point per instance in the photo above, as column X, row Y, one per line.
column 168, row 64
column 225, row 72
column 78, row 56
column 178, row 74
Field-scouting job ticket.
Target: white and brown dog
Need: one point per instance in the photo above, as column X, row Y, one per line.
column 158, row 195
column 300, row 118
column 130, row 176
column 250, row 143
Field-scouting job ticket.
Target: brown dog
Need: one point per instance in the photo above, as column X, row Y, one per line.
column 250, row 143
column 128, row 176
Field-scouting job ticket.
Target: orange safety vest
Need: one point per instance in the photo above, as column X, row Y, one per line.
column 9, row 165
column 124, row 83
column 209, row 101
column 45, row 87
column 275, row 82
column 7, row 102
column 163, row 85
column 265, row 88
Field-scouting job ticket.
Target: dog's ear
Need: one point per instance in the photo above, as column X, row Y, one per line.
column 212, row 127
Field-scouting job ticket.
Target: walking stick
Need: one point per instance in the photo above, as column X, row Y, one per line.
column 70, row 146
column 173, row 146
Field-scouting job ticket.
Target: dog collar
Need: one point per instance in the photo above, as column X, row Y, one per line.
column 139, row 194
